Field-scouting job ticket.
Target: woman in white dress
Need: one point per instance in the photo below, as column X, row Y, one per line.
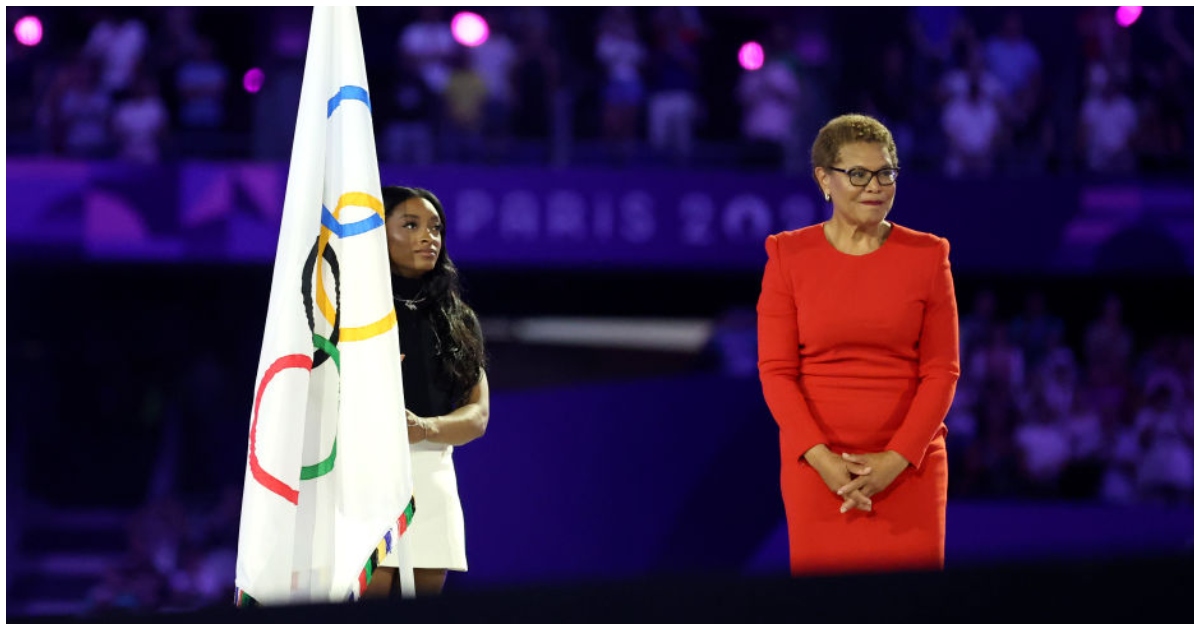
column 445, row 385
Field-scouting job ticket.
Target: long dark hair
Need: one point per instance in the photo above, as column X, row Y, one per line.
column 459, row 338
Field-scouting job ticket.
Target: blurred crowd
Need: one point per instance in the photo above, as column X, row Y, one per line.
column 968, row 91
column 1037, row 417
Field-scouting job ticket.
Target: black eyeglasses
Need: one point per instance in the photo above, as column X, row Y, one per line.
column 861, row 176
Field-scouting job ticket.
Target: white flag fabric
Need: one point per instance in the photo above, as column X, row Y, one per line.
column 328, row 486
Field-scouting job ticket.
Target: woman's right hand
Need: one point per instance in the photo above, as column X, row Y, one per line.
column 836, row 472
column 418, row 427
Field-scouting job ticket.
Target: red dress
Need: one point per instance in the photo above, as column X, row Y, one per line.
column 860, row 352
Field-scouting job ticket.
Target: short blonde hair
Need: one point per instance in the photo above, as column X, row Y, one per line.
column 848, row 129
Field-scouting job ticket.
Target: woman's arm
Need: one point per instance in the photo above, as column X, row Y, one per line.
column 458, row 427
column 938, row 369
column 779, row 359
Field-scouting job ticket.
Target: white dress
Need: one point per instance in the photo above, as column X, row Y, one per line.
column 437, row 539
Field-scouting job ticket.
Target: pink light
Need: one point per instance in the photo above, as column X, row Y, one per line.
column 1126, row 16
column 469, row 29
column 28, row 30
column 253, row 80
column 751, row 56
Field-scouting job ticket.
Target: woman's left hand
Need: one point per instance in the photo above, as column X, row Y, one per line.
column 885, row 467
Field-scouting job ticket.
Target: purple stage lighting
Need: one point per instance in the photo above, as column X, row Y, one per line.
column 28, row 30
column 1126, row 16
column 751, row 56
column 469, row 29
column 253, row 80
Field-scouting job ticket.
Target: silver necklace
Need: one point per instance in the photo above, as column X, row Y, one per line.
column 411, row 304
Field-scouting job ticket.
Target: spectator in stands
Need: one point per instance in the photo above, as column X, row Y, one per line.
column 117, row 41
column 429, row 42
column 674, row 104
column 495, row 60
column 1164, row 434
column 1034, row 329
column 1108, row 343
column 1089, row 448
column 975, row 323
column 202, row 82
column 463, row 100
column 935, row 33
column 1017, row 63
column 972, row 126
column 889, row 92
column 622, row 53
column 770, row 97
column 140, row 122
column 274, row 106
column 1056, row 374
column 408, row 112
column 1108, row 125
column 77, row 112
column 1044, row 447
column 993, row 468
column 974, row 106
column 537, row 76
column 998, row 361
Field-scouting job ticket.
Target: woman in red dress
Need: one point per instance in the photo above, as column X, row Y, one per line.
column 858, row 357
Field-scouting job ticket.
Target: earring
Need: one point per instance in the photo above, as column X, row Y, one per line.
column 826, row 196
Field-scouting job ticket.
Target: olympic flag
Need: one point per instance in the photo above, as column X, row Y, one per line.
column 328, row 485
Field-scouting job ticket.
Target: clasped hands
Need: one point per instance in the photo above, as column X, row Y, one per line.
column 856, row 478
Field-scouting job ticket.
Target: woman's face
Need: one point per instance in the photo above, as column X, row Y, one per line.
column 859, row 205
column 414, row 233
